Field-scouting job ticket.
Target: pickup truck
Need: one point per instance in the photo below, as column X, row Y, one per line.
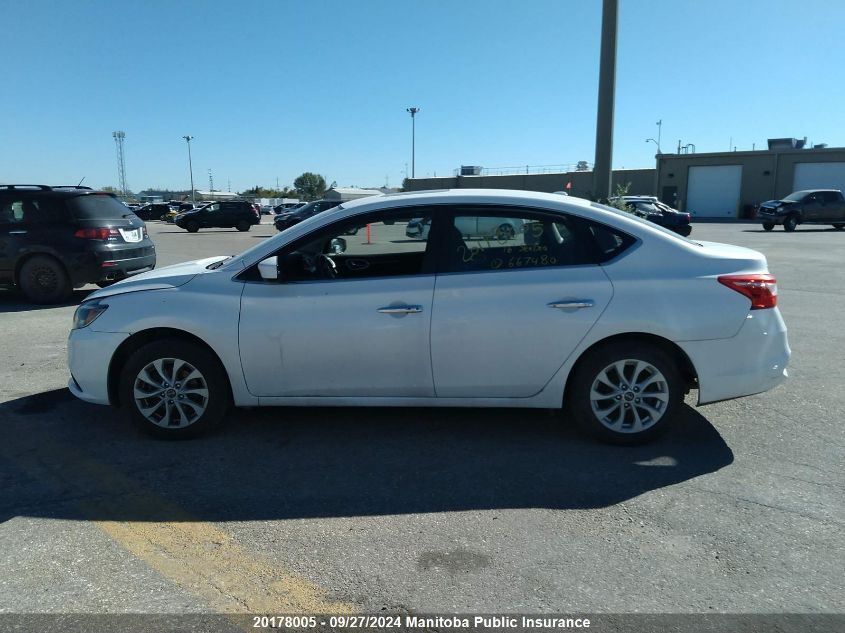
column 813, row 206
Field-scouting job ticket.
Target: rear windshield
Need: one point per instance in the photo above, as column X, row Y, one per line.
column 98, row 207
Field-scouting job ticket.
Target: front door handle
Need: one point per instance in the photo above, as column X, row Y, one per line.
column 576, row 303
column 17, row 232
column 401, row 310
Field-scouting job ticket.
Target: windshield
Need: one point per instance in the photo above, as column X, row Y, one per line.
column 797, row 196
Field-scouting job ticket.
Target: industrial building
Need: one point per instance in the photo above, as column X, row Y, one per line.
column 707, row 185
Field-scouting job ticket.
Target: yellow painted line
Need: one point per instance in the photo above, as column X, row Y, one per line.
column 204, row 560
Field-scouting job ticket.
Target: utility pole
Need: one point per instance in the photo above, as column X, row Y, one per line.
column 607, row 87
column 413, row 112
column 210, row 181
column 188, row 139
column 121, row 163
column 659, row 130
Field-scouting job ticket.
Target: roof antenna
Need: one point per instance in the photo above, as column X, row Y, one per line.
column 80, row 182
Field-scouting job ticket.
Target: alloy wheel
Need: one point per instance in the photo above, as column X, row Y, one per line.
column 629, row 396
column 171, row 393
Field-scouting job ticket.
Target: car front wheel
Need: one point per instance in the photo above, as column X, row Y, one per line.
column 174, row 389
column 768, row 226
column 243, row 225
column 839, row 227
column 192, row 226
column 790, row 223
column 625, row 392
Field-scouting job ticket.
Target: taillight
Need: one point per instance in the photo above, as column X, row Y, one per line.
column 688, row 217
column 97, row 234
column 762, row 289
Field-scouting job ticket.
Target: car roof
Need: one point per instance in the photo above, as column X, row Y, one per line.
column 54, row 190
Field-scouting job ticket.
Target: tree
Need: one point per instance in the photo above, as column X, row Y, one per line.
column 582, row 166
column 310, row 186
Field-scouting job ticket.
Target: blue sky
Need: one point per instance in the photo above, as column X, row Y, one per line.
column 272, row 89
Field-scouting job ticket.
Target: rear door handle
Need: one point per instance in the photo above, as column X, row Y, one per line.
column 401, row 310
column 576, row 303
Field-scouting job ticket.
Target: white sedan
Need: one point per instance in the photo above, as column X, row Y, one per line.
column 586, row 309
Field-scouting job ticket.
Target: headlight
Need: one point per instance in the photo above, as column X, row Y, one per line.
column 87, row 313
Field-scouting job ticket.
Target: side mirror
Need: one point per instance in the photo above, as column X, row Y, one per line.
column 269, row 268
column 337, row 246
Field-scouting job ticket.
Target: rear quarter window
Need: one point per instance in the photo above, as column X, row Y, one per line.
column 97, row 207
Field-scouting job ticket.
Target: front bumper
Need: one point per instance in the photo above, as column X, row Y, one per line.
column 89, row 354
column 752, row 361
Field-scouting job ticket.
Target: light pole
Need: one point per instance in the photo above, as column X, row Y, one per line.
column 655, row 142
column 659, row 125
column 413, row 112
column 190, row 166
column 607, row 88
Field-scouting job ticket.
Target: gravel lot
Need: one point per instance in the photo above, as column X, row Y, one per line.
column 741, row 509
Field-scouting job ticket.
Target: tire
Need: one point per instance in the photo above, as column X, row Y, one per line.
column 43, row 279
column 505, row 232
column 196, row 407
column 107, row 283
column 192, row 226
column 839, row 227
column 646, row 370
column 790, row 223
column 243, row 225
column 768, row 226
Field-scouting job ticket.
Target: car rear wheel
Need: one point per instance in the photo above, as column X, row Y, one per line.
column 625, row 392
column 768, row 226
column 43, row 279
column 790, row 223
column 243, row 225
column 192, row 226
column 174, row 389
column 839, row 227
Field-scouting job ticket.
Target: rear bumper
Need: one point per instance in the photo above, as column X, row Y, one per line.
column 110, row 265
column 751, row 362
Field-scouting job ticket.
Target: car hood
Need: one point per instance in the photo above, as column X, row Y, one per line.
column 774, row 203
column 159, row 279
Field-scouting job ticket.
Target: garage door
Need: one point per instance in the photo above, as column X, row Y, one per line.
column 713, row 192
column 819, row 176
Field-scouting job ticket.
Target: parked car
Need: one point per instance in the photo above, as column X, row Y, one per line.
column 153, row 211
column 238, row 214
column 288, row 206
column 651, row 209
column 572, row 313
column 287, row 219
column 266, row 209
column 495, row 228
column 55, row 239
column 812, row 206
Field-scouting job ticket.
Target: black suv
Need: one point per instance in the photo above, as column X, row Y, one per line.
column 286, row 219
column 238, row 214
column 54, row 239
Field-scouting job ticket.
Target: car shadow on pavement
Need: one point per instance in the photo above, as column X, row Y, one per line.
column 63, row 458
column 13, row 301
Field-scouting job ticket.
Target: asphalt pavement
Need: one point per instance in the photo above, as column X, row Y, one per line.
column 740, row 509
